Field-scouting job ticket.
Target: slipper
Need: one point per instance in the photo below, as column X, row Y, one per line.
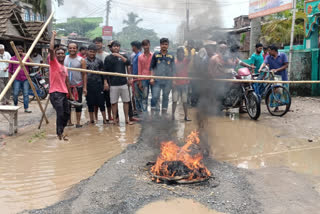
column 70, row 124
column 187, row 119
column 106, row 122
column 75, row 103
column 78, row 126
column 130, row 123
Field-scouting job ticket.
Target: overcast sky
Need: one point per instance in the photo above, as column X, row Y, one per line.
column 163, row 18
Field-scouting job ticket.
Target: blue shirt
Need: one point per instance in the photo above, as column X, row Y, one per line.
column 135, row 64
column 275, row 63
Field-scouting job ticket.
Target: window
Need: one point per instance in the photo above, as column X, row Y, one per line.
column 34, row 17
column 39, row 17
column 31, row 17
column 26, row 15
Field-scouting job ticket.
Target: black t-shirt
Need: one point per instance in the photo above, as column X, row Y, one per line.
column 95, row 81
column 116, row 65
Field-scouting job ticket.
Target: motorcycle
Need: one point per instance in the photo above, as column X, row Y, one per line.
column 242, row 95
column 39, row 83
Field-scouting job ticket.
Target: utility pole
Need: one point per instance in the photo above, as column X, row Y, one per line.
column 108, row 9
column 292, row 37
column 188, row 15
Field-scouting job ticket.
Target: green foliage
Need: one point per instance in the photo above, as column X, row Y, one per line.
column 132, row 32
column 277, row 29
column 81, row 26
column 242, row 38
column 97, row 32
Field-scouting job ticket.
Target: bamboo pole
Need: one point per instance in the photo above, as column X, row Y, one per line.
column 170, row 78
column 292, row 37
column 29, row 79
column 45, row 109
column 26, row 57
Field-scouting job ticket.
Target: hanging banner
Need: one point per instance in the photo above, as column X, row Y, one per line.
column 258, row 8
column 107, row 32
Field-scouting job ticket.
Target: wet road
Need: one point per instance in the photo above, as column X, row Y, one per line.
column 36, row 168
column 176, row 206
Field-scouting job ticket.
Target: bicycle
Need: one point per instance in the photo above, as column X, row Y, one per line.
column 277, row 97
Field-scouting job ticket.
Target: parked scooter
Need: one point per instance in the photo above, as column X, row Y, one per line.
column 242, row 95
column 39, row 83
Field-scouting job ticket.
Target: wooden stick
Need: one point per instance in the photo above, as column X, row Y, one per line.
column 45, row 109
column 29, row 79
column 170, row 78
column 4, row 91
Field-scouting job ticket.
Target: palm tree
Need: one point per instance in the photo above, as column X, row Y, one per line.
column 277, row 29
column 132, row 21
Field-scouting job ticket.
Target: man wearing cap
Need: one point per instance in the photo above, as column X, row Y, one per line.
column 118, row 63
column 4, row 74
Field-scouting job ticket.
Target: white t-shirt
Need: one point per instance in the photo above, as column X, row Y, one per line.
column 4, row 65
column 37, row 60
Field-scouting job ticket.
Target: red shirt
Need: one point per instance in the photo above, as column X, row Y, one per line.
column 79, row 54
column 182, row 68
column 144, row 65
column 57, row 77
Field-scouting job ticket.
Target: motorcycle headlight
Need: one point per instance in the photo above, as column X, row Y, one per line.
column 246, row 77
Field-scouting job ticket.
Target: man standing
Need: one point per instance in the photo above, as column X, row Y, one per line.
column 256, row 58
column 36, row 58
column 83, row 52
column 102, row 56
column 180, row 87
column 4, row 74
column 117, row 63
column 20, row 81
column 59, row 87
column 277, row 62
column 78, row 80
column 96, row 84
column 162, row 64
column 136, row 47
column 144, row 62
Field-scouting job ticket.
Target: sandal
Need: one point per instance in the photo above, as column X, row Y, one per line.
column 129, row 123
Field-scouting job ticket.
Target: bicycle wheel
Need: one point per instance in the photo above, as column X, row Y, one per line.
column 278, row 101
column 253, row 105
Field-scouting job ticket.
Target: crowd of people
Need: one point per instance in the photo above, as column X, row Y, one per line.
column 102, row 92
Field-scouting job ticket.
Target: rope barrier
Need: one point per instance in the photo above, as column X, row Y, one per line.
column 170, row 78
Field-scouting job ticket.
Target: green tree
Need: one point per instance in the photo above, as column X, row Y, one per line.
column 132, row 32
column 77, row 25
column 277, row 28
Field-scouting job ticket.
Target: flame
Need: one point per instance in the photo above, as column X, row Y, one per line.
column 172, row 152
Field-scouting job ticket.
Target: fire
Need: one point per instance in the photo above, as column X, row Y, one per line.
column 176, row 161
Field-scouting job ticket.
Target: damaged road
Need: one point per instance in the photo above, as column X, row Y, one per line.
column 123, row 185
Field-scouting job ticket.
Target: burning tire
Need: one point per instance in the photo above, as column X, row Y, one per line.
column 178, row 164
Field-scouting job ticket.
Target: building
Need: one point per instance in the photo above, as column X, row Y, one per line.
column 14, row 28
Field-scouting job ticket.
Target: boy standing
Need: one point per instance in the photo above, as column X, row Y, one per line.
column 180, row 87
column 96, row 84
column 162, row 64
column 144, row 62
column 118, row 63
column 78, row 80
column 59, row 87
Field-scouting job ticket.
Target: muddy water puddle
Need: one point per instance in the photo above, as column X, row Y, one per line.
column 176, row 206
column 252, row 145
column 36, row 169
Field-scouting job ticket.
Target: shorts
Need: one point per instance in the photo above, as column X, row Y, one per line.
column 119, row 91
column 180, row 91
column 95, row 98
